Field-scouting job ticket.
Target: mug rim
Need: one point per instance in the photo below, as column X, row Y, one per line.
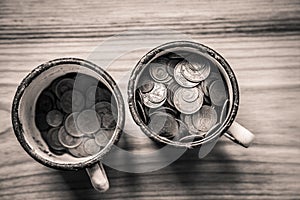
column 17, row 126
column 166, row 47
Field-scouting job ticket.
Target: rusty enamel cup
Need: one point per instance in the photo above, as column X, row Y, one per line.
column 229, row 128
column 27, row 133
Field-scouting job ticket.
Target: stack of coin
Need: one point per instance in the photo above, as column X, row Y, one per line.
column 191, row 91
column 76, row 120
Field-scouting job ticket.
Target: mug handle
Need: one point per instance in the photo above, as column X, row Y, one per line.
column 98, row 177
column 240, row 135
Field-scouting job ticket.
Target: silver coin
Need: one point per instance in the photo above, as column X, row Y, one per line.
column 207, row 82
column 67, row 140
column 142, row 112
column 217, row 92
column 54, row 118
column 186, row 107
column 88, row 122
column 146, row 86
column 72, row 101
column 188, row 94
column 180, row 79
column 52, row 139
column 197, row 68
column 191, row 138
column 79, row 150
column 158, row 71
column 71, row 126
column 182, row 130
column 63, row 85
column 91, row 147
column 96, row 93
column 171, row 65
column 163, row 124
column 156, row 97
column 187, row 119
column 205, row 118
column 106, row 112
column 103, row 136
column 224, row 111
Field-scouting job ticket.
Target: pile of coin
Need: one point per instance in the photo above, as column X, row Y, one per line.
column 180, row 98
column 76, row 114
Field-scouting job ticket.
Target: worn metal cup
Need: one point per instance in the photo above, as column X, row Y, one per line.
column 27, row 133
column 229, row 127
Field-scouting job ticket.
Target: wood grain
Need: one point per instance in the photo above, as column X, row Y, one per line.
column 260, row 40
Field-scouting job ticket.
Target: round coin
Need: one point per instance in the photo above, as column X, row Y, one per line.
column 187, row 107
column 52, row 139
column 217, row 93
column 67, row 140
column 207, row 82
column 197, row 68
column 91, row 147
column 96, row 94
column 180, row 79
column 54, row 118
column 79, row 150
column 102, row 137
column 107, row 113
column 72, row 101
column 63, row 85
column 187, row 119
column 146, row 86
column 158, row 71
column 205, row 118
column 71, row 126
column 182, row 130
column 188, row 94
column 163, row 124
column 88, row 122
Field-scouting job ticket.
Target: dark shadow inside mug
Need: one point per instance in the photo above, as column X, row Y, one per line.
column 182, row 49
column 23, row 111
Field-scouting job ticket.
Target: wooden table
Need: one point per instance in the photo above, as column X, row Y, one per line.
column 261, row 41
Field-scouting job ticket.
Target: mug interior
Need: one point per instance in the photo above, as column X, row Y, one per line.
column 184, row 48
column 30, row 136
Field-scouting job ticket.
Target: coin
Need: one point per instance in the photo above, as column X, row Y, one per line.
column 105, row 111
column 146, row 86
column 187, row 119
column 70, row 125
column 88, row 122
column 180, row 79
column 96, row 94
column 188, row 94
column 205, row 118
column 142, row 112
column 52, row 139
column 217, row 92
column 191, row 138
column 207, row 82
column 79, row 150
column 91, row 147
column 182, row 130
column 224, row 111
column 163, row 124
column 63, row 85
column 171, row 65
column 72, row 101
column 158, row 71
column 186, row 107
column 54, row 118
column 67, row 140
column 197, row 68
column 156, row 97
column 45, row 102
column 102, row 137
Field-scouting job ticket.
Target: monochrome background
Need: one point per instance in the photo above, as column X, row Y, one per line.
column 259, row 39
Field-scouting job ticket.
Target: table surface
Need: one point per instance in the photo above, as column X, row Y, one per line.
column 260, row 40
